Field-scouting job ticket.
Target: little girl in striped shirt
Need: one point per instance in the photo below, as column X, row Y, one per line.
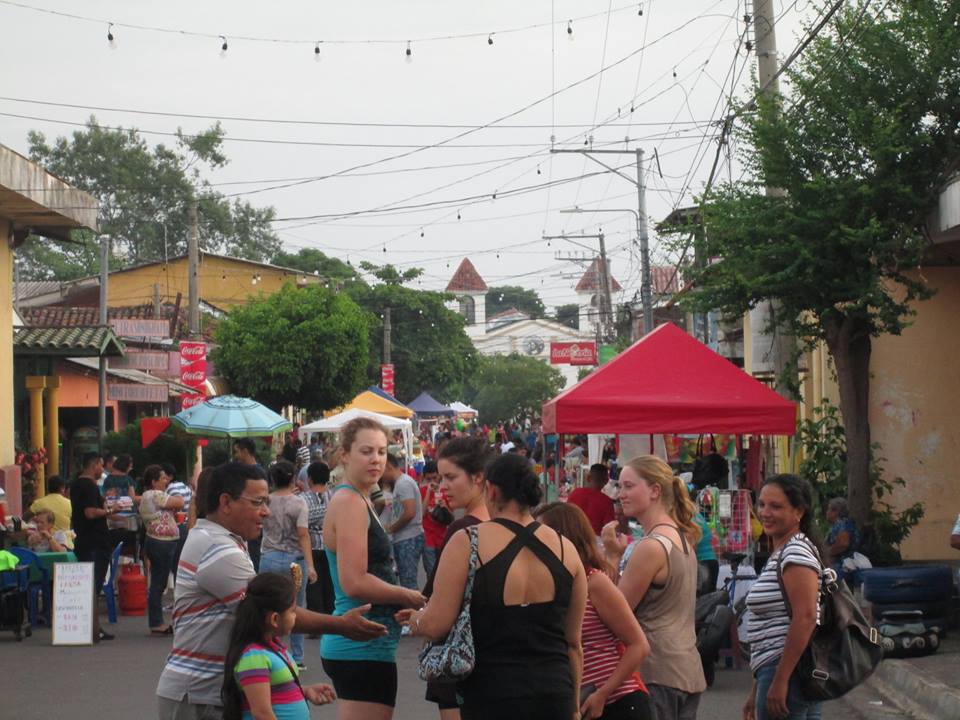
column 261, row 681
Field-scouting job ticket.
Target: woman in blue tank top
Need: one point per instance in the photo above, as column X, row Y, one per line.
column 364, row 674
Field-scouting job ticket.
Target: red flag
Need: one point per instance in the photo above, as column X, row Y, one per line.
column 151, row 429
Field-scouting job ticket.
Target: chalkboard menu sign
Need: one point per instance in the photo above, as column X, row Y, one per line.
column 74, row 604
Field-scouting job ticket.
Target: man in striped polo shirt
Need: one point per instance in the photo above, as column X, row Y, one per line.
column 212, row 577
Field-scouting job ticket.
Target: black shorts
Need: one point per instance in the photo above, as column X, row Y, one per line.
column 363, row 680
column 443, row 694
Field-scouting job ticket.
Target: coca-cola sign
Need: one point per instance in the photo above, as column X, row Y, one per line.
column 188, row 401
column 193, row 364
column 192, row 351
column 573, row 353
column 387, row 378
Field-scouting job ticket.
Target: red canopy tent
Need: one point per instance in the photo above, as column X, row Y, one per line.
column 669, row 382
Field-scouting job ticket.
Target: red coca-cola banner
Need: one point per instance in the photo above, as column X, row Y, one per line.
column 188, row 401
column 386, row 378
column 573, row 353
column 193, row 364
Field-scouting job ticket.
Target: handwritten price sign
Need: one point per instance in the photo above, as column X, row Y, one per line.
column 73, row 604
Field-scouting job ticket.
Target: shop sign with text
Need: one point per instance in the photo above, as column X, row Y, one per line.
column 573, row 353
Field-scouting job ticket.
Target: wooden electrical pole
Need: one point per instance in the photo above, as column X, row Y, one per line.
column 193, row 256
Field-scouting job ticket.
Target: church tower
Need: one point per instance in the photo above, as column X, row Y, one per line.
column 471, row 293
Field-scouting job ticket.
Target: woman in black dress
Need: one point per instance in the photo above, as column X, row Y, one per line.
column 529, row 596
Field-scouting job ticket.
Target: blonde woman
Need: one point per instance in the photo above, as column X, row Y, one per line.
column 364, row 673
column 660, row 584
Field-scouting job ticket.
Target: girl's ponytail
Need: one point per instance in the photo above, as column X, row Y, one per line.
column 673, row 493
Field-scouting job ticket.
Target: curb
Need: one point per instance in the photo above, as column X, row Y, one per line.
column 914, row 691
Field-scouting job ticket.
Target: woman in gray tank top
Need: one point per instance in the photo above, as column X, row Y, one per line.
column 660, row 583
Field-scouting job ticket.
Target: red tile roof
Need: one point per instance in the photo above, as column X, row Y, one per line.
column 664, row 280
column 466, row 279
column 58, row 316
column 590, row 281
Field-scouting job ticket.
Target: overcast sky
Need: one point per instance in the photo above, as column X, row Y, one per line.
column 541, row 80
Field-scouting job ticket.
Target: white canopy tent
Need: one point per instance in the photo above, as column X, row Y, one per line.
column 462, row 409
column 335, row 423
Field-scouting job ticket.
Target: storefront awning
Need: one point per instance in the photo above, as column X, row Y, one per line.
column 74, row 341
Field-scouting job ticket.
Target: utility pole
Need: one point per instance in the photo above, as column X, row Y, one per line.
column 386, row 336
column 607, row 327
column 102, row 366
column 767, row 320
column 156, row 301
column 193, row 254
column 643, row 233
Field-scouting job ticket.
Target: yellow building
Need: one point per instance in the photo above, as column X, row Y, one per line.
column 224, row 282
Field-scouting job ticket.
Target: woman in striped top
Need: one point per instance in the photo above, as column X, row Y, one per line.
column 777, row 636
column 613, row 642
column 260, row 678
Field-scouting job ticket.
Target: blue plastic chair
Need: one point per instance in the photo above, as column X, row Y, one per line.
column 36, row 589
column 110, row 584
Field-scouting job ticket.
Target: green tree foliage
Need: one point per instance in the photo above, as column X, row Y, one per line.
column 305, row 346
column 861, row 152
column 568, row 315
column 143, row 190
column 173, row 446
column 430, row 349
column 311, row 260
column 512, row 296
column 512, row 387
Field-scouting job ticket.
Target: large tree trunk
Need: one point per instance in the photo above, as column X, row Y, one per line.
column 849, row 343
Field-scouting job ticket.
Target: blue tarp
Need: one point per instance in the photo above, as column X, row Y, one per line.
column 425, row 406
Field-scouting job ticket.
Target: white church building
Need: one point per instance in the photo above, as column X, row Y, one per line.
column 513, row 331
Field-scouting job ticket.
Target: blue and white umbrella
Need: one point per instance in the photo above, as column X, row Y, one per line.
column 232, row 417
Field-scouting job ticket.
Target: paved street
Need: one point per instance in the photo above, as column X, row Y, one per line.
column 116, row 680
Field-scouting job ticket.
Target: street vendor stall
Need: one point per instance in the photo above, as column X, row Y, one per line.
column 334, row 423
column 669, row 382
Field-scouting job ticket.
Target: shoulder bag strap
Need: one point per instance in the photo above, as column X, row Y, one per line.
column 471, row 565
column 783, row 589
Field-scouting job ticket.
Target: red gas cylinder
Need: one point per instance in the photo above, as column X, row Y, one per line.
column 133, row 590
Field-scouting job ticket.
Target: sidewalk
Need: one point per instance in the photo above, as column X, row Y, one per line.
column 926, row 688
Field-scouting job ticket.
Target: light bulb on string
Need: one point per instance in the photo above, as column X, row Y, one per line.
column 570, row 30
column 316, row 52
column 421, row 232
column 223, row 47
column 674, row 71
column 458, row 214
column 110, row 39
column 494, row 194
column 490, row 39
column 409, row 53
column 640, row 10
column 538, row 169
column 384, row 248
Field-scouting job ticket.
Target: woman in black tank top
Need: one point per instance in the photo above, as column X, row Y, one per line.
column 528, row 654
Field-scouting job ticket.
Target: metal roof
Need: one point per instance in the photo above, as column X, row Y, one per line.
column 74, row 341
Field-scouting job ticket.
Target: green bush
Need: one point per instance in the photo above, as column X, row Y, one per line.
column 172, row 446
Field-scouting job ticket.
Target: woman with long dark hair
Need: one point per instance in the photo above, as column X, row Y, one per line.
column 260, row 678
column 157, row 510
column 286, row 540
column 790, row 579
column 660, row 584
column 611, row 688
column 460, row 462
column 529, row 594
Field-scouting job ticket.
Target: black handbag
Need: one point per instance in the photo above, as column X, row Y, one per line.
column 441, row 514
column 844, row 649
